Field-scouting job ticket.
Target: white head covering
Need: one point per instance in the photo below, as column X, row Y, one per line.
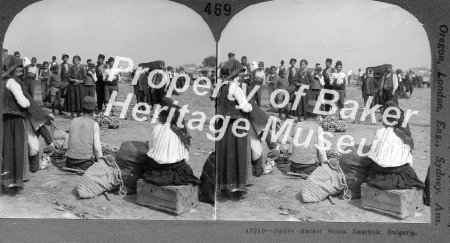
column 254, row 66
column 26, row 61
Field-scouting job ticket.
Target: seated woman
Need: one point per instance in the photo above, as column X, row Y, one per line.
column 84, row 138
column 169, row 151
column 392, row 154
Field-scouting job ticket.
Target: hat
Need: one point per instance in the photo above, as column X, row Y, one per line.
column 91, row 64
column 10, row 63
column 389, row 65
column 282, row 61
column 111, row 59
column 65, row 55
column 101, row 56
column 292, row 60
column 329, row 60
column 88, row 103
column 261, row 63
column 231, row 54
column 338, row 63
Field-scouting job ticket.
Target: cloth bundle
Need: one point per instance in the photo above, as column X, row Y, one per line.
column 102, row 176
column 355, row 169
column 328, row 179
column 130, row 159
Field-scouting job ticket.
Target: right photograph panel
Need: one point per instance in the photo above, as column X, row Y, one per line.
column 325, row 114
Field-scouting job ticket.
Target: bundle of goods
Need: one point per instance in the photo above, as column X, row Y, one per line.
column 332, row 124
column 130, row 159
column 355, row 168
column 107, row 122
column 109, row 149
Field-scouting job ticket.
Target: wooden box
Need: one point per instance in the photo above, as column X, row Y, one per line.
column 397, row 203
column 172, row 199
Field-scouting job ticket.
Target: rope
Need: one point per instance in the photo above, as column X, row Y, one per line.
column 121, row 186
column 346, row 196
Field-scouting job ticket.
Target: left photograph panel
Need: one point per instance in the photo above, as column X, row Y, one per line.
column 106, row 109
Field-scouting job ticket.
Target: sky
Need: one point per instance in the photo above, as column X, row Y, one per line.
column 138, row 29
column 360, row 33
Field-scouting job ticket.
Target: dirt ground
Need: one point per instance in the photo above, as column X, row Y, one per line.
column 51, row 193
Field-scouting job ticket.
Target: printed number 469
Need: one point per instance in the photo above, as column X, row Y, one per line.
column 218, row 9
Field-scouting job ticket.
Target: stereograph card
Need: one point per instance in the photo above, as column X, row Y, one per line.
column 224, row 120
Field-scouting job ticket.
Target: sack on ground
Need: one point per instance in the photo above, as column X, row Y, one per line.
column 208, row 179
column 355, row 169
column 324, row 181
column 130, row 159
column 100, row 177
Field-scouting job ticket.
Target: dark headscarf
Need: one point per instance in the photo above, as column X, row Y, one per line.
column 231, row 69
column 10, row 63
column 182, row 133
column 404, row 133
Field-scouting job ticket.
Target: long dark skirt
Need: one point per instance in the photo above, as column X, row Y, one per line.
column 179, row 173
column 341, row 100
column 301, row 107
column 402, row 177
column 28, row 86
column 232, row 157
column 74, row 99
column 14, row 151
column 89, row 91
column 314, row 94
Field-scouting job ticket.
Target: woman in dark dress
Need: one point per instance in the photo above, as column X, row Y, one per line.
column 232, row 152
column 15, row 152
column 302, row 77
column 75, row 90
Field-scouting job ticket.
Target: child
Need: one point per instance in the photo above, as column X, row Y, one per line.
column 84, row 138
column 55, row 89
column 30, row 77
column 282, row 83
column 44, row 74
column 271, row 79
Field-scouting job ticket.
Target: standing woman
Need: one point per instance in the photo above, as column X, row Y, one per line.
column 302, row 77
column 75, row 90
column 91, row 79
column 15, row 153
column 338, row 82
column 31, row 76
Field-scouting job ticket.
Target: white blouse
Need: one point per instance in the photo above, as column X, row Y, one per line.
column 165, row 147
column 339, row 78
column 389, row 150
column 16, row 89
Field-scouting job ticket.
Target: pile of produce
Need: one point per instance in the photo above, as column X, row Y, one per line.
column 106, row 122
column 332, row 124
column 109, row 149
column 333, row 153
column 58, row 154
